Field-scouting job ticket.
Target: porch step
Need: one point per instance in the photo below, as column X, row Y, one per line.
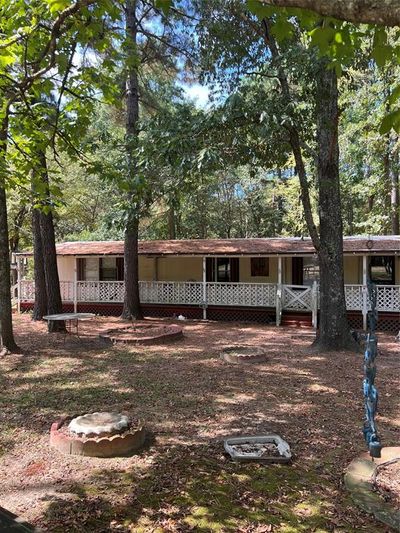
column 297, row 320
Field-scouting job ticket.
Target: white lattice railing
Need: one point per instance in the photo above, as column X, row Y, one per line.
column 27, row 290
column 388, row 297
column 100, row 291
column 293, row 297
column 171, row 292
column 354, row 297
column 246, row 294
column 67, row 291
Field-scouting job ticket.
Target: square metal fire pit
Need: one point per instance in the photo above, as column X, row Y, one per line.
column 245, row 449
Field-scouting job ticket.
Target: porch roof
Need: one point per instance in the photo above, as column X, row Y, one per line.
column 231, row 247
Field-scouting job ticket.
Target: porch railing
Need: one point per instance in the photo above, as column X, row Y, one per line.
column 244, row 294
column 286, row 297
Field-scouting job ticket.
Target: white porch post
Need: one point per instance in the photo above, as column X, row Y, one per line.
column 279, row 293
column 204, row 288
column 76, row 286
column 314, row 302
column 364, row 292
column 18, row 284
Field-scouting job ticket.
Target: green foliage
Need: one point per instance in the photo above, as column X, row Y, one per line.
column 340, row 41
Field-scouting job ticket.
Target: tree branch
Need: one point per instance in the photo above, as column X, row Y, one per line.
column 294, row 139
column 381, row 12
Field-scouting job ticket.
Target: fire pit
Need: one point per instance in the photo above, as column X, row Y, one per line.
column 263, row 449
column 143, row 334
column 243, row 354
column 99, row 434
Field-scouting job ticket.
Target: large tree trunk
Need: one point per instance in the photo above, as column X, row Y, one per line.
column 54, row 302
column 131, row 309
column 395, row 196
column 40, row 305
column 395, row 200
column 8, row 343
column 334, row 330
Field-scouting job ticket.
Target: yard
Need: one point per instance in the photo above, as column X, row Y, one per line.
column 189, row 400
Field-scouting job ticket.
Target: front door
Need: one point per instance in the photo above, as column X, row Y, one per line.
column 297, row 271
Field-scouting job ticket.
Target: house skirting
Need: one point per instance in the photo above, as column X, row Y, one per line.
column 389, row 322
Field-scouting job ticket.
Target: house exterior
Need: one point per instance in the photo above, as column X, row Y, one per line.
column 261, row 280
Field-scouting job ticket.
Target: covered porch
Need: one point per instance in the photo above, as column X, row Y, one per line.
column 235, row 280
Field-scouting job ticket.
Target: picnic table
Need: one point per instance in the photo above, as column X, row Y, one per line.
column 71, row 321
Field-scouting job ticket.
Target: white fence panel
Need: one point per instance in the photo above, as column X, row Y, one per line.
column 297, row 297
column 388, row 298
column 171, row 292
column 354, row 297
column 100, row 291
column 246, row 294
column 27, row 290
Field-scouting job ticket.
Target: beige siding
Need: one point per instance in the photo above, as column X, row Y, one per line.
column 147, row 270
column 397, row 270
column 66, row 268
column 180, row 269
column 245, row 271
column 352, row 269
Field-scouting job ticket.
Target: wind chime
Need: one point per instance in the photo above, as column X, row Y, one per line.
column 370, row 391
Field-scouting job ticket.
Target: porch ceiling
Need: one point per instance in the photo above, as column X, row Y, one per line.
column 217, row 247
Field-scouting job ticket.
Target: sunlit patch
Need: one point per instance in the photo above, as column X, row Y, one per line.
column 315, row 387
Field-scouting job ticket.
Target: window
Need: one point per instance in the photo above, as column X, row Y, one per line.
column 222, row 269
column 382, row 269
column 108, row 269
column 259, row 266
column 100, row 269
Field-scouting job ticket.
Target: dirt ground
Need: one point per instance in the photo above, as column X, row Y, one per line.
column 388, row 483
column 189, row 400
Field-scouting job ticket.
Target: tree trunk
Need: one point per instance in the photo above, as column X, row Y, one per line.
column 54, row 302
column 40, row 305
column 131, row 309
column 334, row 330
column 8, row 343
column 395, row 196
column 171, row 223
column 395, row 201
column 16, row 231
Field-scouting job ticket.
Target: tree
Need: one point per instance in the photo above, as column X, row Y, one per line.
column 36, row 60
column 26, row 56
column 45, row 240
column 131, row 307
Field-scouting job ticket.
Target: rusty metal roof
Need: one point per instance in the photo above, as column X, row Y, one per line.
column 200, row 247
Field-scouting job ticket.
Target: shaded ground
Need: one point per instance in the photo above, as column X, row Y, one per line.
column 189, row 400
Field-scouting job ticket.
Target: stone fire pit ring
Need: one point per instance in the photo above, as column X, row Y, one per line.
column 243, row 354
column 143, row 334
column 122, row 441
